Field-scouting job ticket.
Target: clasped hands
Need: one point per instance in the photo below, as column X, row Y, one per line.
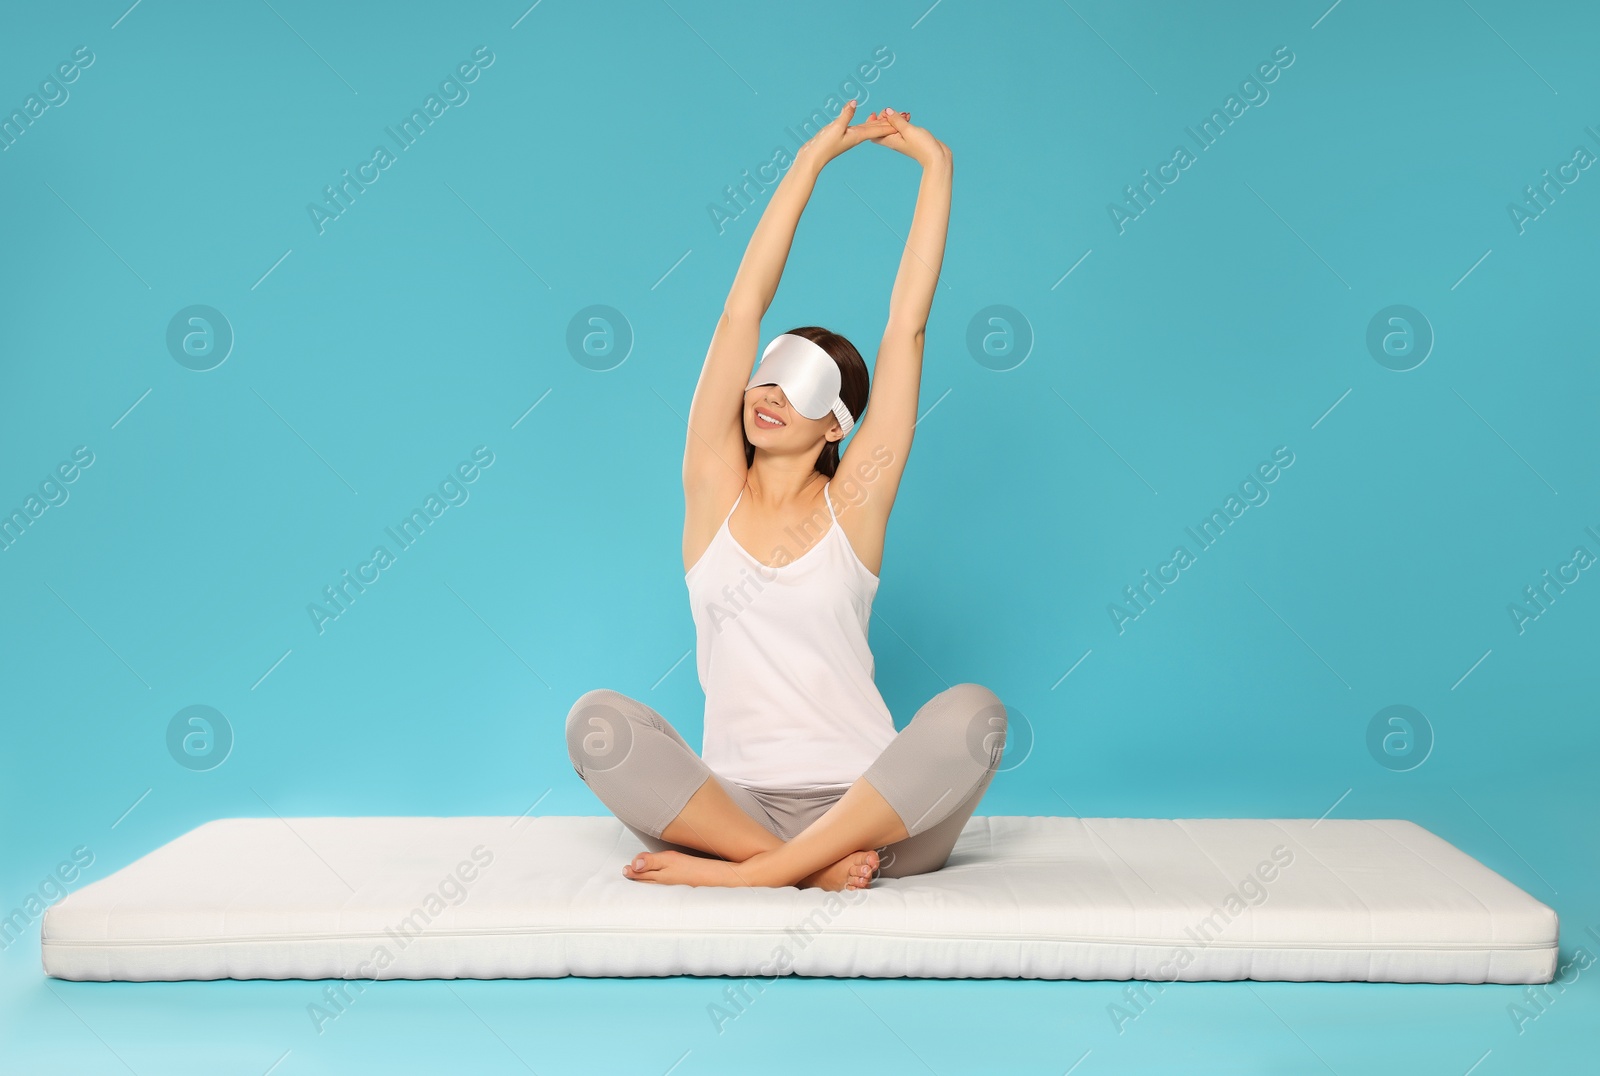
column 887, row 128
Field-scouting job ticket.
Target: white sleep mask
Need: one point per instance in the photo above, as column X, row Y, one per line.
column 807, row 375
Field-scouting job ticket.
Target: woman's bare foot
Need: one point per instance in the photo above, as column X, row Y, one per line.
column 678, row 868
column 854, row 871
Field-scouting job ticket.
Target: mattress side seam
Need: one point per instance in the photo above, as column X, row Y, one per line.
column 781, row 931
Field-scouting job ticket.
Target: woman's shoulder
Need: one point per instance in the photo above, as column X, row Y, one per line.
column 860, row 527
column 705, row 506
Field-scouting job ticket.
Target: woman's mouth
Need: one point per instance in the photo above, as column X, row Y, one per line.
column 765, row 422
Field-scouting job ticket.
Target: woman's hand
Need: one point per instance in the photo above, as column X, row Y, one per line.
column 838, row 136
column 906, row 137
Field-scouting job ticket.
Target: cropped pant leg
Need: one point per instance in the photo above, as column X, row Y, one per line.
column 934, row 773
column 640, row 767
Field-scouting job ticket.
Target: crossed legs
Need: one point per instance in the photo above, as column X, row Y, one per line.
column 643, row 770
column 911, row 803
column 713, row 822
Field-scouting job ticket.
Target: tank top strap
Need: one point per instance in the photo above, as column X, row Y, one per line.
column 829, row 498
column 736, row 500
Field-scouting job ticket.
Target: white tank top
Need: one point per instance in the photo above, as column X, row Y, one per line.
column 783, row 657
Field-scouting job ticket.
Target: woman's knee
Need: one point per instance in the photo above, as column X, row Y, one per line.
column 600, row 730
column 975, row 716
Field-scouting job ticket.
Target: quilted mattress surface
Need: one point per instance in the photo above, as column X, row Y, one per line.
column 1021, row 897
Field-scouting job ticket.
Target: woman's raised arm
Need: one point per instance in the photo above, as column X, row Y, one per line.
column 884, row 435
column 713, row 456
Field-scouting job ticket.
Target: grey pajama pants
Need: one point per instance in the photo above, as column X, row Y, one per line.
column 933, row 773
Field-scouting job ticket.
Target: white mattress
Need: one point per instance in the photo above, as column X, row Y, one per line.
column 1021, row 897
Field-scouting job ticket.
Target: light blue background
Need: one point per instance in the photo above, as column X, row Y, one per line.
column 432, row 315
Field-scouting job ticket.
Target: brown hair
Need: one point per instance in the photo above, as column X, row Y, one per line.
column 854, row 387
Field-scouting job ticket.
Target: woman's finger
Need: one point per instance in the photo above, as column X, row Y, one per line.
column 871, row 128
column 859, row 134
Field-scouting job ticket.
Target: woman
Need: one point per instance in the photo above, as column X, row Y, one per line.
column 804, row 779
